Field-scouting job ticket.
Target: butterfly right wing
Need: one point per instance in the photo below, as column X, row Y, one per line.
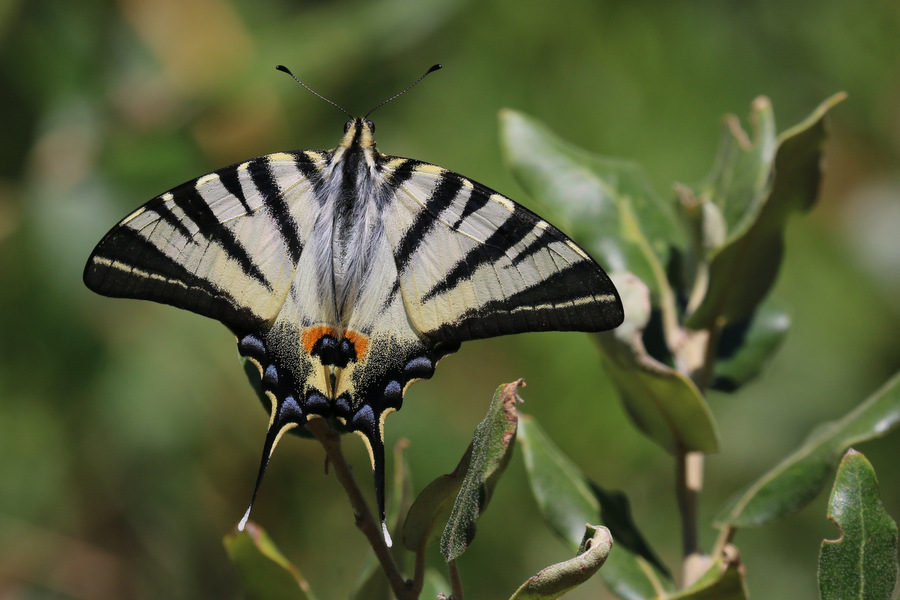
column 224, row 245
column 474, row 264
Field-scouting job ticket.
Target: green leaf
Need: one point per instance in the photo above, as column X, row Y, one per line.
column 740, row 175
column 556, row 580
column 663, row 403
column 264, row 572
column 428, row 514
column 863, row 562
column 745, row 347
column 607, row 205
column 724, row 580
column 491, row 450
column 568, row 500
column 756, row 195
column 799, row 478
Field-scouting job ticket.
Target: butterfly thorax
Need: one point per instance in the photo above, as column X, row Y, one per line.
column 354, row 196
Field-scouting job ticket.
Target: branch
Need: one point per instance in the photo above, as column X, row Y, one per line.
column 331, row 441
column 455, row 582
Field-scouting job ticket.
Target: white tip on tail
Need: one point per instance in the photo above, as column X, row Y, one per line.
column 244, row 520
column 387, row 537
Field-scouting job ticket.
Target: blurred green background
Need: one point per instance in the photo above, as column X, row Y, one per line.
column 129, row 439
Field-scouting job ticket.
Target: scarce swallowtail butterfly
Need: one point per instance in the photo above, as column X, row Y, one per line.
column 347, row 274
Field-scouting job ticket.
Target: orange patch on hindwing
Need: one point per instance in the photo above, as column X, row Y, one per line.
column 311, row 336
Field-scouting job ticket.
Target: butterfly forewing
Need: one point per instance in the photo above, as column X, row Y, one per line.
column 474, row 264
column 224, row 245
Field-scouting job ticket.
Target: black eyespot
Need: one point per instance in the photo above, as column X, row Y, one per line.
column 347, row 126
column 370, row 125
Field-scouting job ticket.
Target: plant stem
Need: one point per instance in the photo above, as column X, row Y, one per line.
column 689, row 482
column 455, row 583
column 696, row 358
column 331, row 441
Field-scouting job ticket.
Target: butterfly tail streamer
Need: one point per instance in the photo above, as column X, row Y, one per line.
column 371, row 434
column 286, row 415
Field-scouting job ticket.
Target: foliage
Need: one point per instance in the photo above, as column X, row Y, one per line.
column 863, row 562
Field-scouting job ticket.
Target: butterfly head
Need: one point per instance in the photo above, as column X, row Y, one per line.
column 358, row 135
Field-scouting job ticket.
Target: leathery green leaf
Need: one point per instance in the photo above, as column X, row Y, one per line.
column 724, row 580
column 663, row 403
column 264, row 572
column 607, row 205
column 491, row 450
column 554, row 581
column 802, row 475
column 740, row 173
column 568, row 500
column 742, row 271
column 428, row 514
column 862, row 563
column 745, row 347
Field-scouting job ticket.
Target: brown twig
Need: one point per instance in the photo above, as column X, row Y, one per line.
column 455, row 582
column 689, row 482
column 696, row 359
column 331, row 441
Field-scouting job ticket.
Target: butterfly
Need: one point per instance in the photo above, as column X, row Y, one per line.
column 346, row 275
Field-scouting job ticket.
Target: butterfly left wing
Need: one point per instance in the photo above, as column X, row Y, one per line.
column 223, row 245
column 229, row 245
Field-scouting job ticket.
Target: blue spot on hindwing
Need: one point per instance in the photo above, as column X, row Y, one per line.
column 363, row 420
column 290, row 412
column 270, row 377
column 393, row 394
column 420, row 367
column 317, row 404
column 252, row 347
column 342, row 406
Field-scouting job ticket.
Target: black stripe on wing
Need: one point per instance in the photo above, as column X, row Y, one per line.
column 511, row 232
column 149, row 274
column 195, row 207
column 442, row 196
column 276, row 204
column 578, row 298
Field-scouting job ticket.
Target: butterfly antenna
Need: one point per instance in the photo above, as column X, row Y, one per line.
column 409, row 87
column 331, row 102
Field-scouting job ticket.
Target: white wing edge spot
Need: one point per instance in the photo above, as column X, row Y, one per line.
column 430, row 169
column 504, row 202
column 206, row 179
column 542, row 225
column 134, row 215
column 577, row 250
column 395, row 162
column 280, row 157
